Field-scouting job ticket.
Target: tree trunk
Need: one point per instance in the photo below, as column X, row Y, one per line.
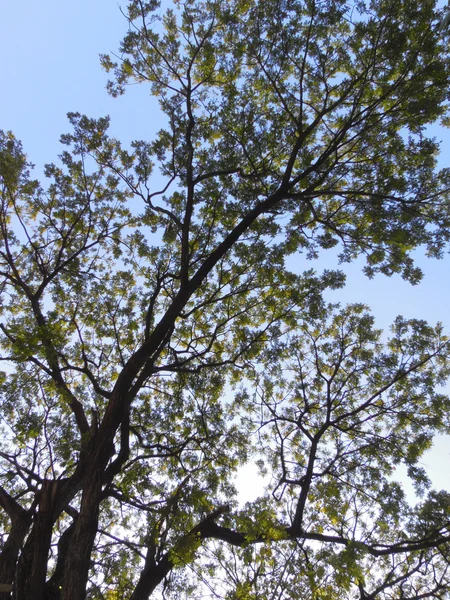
column 32, row 566
column 10, row 554
column 77, row 563
column 54, row 584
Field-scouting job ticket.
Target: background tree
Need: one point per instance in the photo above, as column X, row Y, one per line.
column 156, row 331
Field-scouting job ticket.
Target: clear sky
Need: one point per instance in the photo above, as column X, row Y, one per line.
column 49, row 66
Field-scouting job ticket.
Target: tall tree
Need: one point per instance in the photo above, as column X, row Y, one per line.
column 155, row 333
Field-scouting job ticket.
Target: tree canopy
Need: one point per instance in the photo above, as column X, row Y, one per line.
column 161, row 324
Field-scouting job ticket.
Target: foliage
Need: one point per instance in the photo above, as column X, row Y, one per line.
column 155, row 335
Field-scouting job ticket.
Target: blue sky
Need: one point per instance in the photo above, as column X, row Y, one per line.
column 49, row 66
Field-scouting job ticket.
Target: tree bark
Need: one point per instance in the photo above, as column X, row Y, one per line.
column 20, row 525
column 53, row 586
column 10, row 554
column 77, row 563
column 32, row 566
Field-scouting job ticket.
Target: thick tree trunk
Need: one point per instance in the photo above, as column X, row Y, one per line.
column 77, row 563
column 10, row 554
column 54, row 584
column 20, row 525
column 32, row 566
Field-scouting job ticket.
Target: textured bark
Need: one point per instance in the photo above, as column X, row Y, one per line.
column 32, row 566
column 10, row 554
column 20, row 525
column 77, row 562
column 53, row 586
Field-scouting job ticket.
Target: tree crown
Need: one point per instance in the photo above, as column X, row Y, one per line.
column 157, row 335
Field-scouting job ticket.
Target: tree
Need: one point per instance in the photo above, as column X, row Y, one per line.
column 155, row 335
